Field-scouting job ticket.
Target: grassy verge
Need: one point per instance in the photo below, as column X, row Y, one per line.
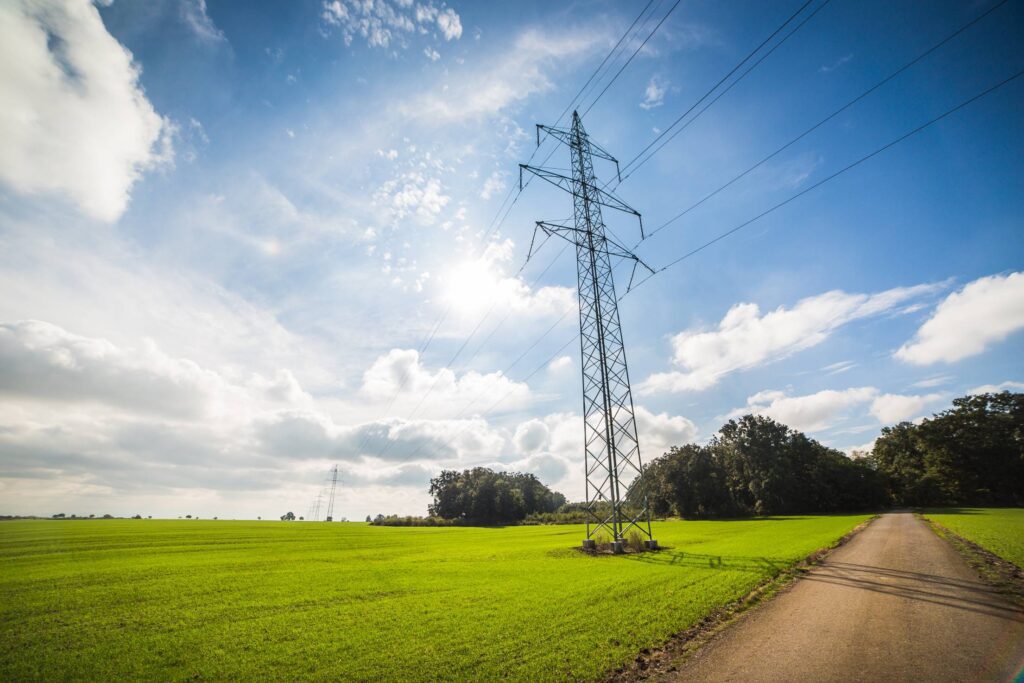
column 115, row 599
column 990, row 539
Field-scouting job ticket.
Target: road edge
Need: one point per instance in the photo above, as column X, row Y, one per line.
column 651, row 663
column 1003, row 575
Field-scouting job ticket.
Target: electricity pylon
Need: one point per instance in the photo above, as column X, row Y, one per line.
column 611, row 450
column 330, row 500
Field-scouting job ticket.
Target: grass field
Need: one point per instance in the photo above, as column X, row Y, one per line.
column 998, row 530
column 110, row 599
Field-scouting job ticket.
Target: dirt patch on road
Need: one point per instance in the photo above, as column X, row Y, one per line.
column 652, row 663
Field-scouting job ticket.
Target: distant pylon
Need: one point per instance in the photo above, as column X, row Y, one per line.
column 316, row 505
column 611, row 450
column 330, row 500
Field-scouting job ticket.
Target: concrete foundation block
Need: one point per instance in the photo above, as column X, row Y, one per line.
column 589, row 544
column 651, row 544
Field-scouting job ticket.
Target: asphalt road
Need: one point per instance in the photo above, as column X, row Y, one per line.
column 896, row 603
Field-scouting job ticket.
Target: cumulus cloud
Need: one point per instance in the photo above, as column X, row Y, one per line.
column 810, row 412
column 997, row 388
column 400, row 373
column 891, row 408
column 387, row 23
column 658, row 432
column 746, row 338
column 42, row 361
column 531, row 436
column 969, row 321
column 552, row 446
column 118, row 421
column 75, row 120
column 824, row 409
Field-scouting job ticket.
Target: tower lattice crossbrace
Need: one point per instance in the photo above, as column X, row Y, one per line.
column 611, row 450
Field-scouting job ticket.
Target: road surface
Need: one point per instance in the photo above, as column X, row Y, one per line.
column 896, row 603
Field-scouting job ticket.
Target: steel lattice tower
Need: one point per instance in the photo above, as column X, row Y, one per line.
column 611, row 450
column 330, row 500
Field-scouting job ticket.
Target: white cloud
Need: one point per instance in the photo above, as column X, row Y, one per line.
column 39, row 360
column 480, row 284
column 892, row 408
column 997, row 388
column 560, row 363
column 827, row 68
column 969, row 321
column 654, row 93
column 861, row 450
column 195, row 15
column 936, row 381
column 492, row 87
column 840, row 367
column 74, row 119
column 449, row 23
column 413, row 193
column 530, row 436
column 555, row 443
column 745, row 338
column 808, row 413
column 400, row 373
column 495, row 183
column 658, row 432
column 824, row 409
column 386, row 23
column 432, row 54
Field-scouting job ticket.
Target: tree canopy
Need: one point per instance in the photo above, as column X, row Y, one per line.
column 483, row 496
column 757, row 466
column 971, row 454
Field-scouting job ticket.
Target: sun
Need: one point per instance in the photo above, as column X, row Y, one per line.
column 472, row 286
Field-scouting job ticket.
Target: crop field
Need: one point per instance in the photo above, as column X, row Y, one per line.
column 114, row 599
column 998, row 530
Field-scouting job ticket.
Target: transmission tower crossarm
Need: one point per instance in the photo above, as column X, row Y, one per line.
column 564, row 182
column 564, row 135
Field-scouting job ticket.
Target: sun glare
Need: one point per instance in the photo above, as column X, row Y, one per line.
column 472, row 286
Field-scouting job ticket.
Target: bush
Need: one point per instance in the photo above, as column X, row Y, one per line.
column 410, row 520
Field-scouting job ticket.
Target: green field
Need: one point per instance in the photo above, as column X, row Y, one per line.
column 110, row 599
column 998, row 530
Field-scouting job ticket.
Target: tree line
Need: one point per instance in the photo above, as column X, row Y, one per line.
column 971, row 454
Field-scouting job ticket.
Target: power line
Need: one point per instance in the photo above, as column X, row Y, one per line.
column 628, row 61
column 724, row 78
column 496, row 222
column 569, row 106
column 722, row 236
column 838, row 173
column 828, row 118
column 717, row 97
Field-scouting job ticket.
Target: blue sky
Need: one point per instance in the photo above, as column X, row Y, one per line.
column 227, row 231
